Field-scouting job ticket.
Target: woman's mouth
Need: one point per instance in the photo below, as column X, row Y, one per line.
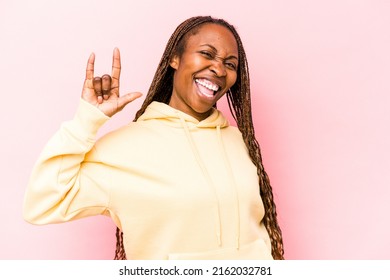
column 206, row 87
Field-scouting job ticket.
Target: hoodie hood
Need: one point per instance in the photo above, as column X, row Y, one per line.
column 162, row 111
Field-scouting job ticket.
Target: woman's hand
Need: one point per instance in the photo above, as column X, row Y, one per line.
column 103, row 92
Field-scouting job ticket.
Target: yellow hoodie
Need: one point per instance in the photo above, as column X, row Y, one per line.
column 177, row 188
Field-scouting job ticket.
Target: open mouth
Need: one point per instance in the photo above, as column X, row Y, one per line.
column 207, row 88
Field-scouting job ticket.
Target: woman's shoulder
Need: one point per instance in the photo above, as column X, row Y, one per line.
column 124, row 134
column 233, row 130
column 129, row 140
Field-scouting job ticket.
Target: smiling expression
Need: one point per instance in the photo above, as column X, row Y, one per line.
column 205, row 70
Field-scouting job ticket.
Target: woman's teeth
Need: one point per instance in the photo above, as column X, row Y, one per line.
column 207, row 84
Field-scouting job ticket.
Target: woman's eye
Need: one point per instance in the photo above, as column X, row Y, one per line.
column 231, row 65
column 207, row 54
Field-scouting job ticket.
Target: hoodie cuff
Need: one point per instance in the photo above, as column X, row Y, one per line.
column 89, row 119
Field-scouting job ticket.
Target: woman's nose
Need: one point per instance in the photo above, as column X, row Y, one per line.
column 218, row 67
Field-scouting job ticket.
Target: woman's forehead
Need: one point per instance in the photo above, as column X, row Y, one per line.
column 213, row 34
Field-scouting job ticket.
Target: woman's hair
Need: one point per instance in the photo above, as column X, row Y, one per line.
column 239, row 101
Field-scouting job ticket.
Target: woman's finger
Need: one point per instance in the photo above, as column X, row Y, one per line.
column 116, row 70
column 97, row 86
column 90, row 67
column 106, row 86
column 88, row 84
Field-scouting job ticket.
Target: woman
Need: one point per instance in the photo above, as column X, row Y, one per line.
column 178, row 182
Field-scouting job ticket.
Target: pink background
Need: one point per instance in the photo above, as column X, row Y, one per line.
column 320, row 75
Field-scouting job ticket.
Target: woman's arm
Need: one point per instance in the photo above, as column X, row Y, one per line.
column 57, row 176
column 62, row 186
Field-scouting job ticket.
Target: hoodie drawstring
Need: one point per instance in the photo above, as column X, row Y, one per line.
column 232, row 183
column 207, row 176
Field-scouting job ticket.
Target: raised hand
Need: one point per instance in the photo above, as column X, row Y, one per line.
column 103, row 92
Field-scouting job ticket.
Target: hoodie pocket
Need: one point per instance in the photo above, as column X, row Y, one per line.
column 256, row 250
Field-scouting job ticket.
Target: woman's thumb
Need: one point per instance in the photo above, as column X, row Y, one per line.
column 127, row 98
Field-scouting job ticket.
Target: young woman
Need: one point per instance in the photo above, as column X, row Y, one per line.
column 179, row 182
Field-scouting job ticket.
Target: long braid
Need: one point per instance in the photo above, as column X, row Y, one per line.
column 120, row 253
column 239, row 101
column 240, row 106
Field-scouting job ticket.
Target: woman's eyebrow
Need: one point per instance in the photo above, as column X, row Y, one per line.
column 214, row 49
column 210, row 46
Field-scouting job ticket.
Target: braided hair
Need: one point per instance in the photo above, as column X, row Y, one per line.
column 239, row 102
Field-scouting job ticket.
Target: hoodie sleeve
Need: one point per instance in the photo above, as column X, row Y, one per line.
column 59, row 188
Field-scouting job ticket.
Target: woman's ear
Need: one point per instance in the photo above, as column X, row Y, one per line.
column 174, row 63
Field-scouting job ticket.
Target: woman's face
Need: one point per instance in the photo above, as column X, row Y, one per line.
column 205, row 71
